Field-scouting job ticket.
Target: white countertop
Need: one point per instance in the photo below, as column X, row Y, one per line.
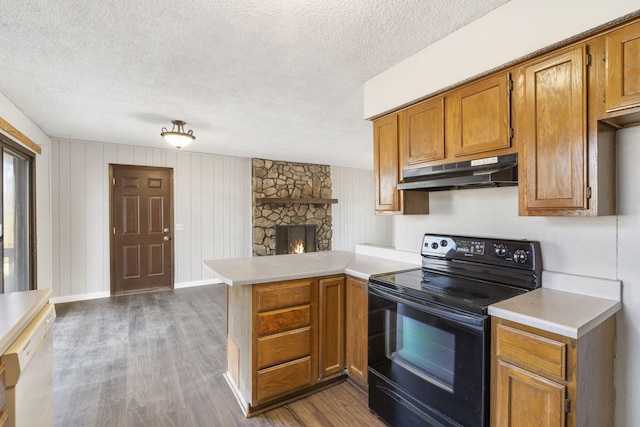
column 563, row 309
column 264, row 269
column 17, row 309
column 565, row 313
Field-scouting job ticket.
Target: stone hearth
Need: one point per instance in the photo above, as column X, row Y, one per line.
column 285, row 180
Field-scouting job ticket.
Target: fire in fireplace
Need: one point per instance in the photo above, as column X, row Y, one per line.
column 296, row 239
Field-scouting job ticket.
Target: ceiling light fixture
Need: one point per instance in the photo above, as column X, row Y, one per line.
column 178, row 137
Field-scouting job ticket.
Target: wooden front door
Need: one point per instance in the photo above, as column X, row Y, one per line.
column 142, row 234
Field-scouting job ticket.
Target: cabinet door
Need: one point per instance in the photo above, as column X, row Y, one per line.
column 4, row 414
column 555, row 133
column 422, row 132
column 356, row 329
column 331, row 326
column 483, row 114
column 386, row 164
column 524, row 399
column 623, row 68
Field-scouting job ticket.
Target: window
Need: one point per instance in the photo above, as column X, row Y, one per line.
column 17, row 231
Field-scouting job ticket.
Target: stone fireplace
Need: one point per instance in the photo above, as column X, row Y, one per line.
column 291, row 194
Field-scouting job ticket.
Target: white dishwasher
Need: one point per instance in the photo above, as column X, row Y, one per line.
column 29, row 373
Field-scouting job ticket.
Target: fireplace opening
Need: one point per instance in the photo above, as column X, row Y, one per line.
column 296, row 239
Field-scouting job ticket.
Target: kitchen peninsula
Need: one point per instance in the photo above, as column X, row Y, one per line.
column 290, row 318
column 287, row 318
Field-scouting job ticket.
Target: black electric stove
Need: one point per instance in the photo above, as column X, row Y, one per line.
column 429, row 331
column 468, row 273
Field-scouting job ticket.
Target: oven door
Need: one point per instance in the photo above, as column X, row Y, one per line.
column 428, row 364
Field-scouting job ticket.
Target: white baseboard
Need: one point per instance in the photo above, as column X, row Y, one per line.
column 196, row 283
column 107, row 294
column 80, row 297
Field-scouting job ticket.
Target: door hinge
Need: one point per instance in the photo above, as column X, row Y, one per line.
column 604, row 96
column 510, row 132
column 588, row 60
column 114, row 231
column 567, row 405
column 588, row 192
column 114, row 181
column 510, row 85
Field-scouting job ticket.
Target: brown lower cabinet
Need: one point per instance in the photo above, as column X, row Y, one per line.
column 546, row 379
column 284, row 339
column 4, row 414
column 356, row 330
column 331, row 301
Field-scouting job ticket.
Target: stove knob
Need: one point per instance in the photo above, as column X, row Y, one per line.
column 520, row 256
column 500, row 250
column 434, row 245
column 443, row 243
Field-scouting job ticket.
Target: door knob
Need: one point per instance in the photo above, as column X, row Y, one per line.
column 166, row 238
column 166, row 230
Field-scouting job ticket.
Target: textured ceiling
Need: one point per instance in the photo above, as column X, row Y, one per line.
column 277, row 79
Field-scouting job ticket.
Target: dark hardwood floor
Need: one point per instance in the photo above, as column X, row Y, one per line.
column 157, row 359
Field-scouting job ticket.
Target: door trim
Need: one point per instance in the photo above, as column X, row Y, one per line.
column 112, row 269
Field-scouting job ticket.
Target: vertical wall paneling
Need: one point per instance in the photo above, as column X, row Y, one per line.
column 77, row 208
column 44, row 267
column 208, row 227
column 196, row 218
column 248, row 205
column 55, row 218
column 210, row 200
column 125, row 155
column 182, row 198
column 354, row 220
column 110, row 153
column 64, row 224
column 218, row 207
column 96, row 234
column 239, row 206
column 228, row 217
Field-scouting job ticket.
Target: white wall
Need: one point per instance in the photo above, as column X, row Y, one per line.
column 604, row 247
column 354, row 221
column 628, row 265
column 211, row 200
column 514, row 30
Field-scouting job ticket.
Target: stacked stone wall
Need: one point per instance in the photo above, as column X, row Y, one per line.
column 278, row 179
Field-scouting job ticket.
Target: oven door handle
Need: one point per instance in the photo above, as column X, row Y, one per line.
column 442, row 312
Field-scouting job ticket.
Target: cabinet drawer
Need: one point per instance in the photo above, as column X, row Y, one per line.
column 280, row 295
column 282, row 320
column 282, row 379
column 537, row 354
column 278, row 348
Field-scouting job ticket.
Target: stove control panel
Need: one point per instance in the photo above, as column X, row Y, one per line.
column 521, row 254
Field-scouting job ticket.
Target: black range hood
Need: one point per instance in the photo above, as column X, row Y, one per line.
column 496, row 171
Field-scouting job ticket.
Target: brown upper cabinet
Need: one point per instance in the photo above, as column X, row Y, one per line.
column 553, row 132
column 386, row 159
column 558, row 110
column 386, row 163
column 623, row 68
column 566, row 156
column 481, row 114
column 422, row 132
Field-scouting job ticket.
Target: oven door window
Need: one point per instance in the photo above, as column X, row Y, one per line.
column 421, row 348
column 440, row 362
